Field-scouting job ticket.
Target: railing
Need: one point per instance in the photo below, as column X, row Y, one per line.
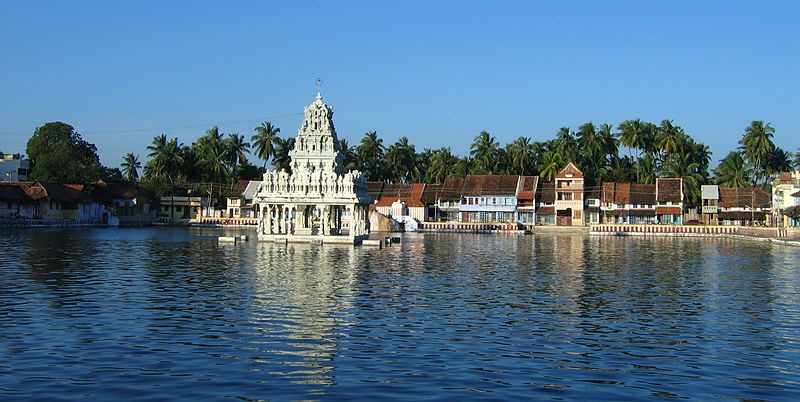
column 31, row 222
column 228, row 221
column 466, row 227
column 695, row 230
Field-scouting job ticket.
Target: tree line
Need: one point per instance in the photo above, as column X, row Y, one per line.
column 634, row 151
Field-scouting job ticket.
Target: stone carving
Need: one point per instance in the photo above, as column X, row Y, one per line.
column 317, row 201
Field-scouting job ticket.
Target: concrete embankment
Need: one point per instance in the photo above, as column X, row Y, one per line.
column 785, row 236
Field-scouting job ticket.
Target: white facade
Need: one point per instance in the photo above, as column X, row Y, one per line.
column 316, row 203
column 13, row 168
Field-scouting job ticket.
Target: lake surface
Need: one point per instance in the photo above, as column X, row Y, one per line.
column 161, row 313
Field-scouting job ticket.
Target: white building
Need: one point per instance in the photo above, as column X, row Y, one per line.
column 14, row 168
column 316, row 203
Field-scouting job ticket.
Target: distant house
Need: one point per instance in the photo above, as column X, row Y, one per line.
column 593, row 192
column 629, row 203
column 793, row 213
column 669, row 200
column 13, row 167
column 526, row 199
column 545, row 204
column 710, row 203
column 448, row 203
column 569, row 196
column 398, row 200
column 126, row 201
column 489, row 198
column 181, row 208
column 14, row 201
column 240, row 203
column 784, row 186
column 743, row 206
column 62, row 201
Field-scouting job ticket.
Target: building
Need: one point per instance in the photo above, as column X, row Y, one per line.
column 398, row 200
column 124, row 201
column 710, row 204
column 181, row 208
column 448, row 199
column 545, row 200
column 629, row 203
column 784, row 186
column 670, row 201
column 569, row 196
column 490, row 198
column 317, row 202
column 526, row 200
column 240, row 203
column 743, row 206
column 14, row 201
column 13, row 167
column 62, row 201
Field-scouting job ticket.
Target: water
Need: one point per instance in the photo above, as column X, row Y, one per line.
column 170, row 313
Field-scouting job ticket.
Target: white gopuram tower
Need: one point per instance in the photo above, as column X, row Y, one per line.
column 316, row 203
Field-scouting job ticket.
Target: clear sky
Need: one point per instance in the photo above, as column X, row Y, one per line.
column 122, row 72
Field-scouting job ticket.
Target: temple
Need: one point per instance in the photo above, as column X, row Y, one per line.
column 316, row 203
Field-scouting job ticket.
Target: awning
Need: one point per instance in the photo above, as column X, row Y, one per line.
column 792, row 212
column 642, row 212
column 668, row 210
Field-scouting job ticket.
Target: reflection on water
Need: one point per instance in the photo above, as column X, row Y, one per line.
column 156, row 313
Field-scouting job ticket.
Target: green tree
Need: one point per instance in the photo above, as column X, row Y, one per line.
column 484, row 152
column 265, row 140
column 733, row 171
column 349, row 156
column 756, row 143
column 442, row 165
column 282, row 160
column 58, row 153
column 549, row 165
column 370, row 152
column 633, row 134
column 796, row 161
column 130, row 167
column 522, row 156
column 235, row 150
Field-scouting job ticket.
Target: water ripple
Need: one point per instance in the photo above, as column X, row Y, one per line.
column 171, row 313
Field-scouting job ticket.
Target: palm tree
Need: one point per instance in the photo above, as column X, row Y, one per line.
column 235, row 149
column 282, row 160
column 442, row 165
column 778, row 161
column 522, row 155
column 567, row 144
column 265, row 140
column 796, row 161
column 213, row 159
column 549, row 165
column 633, row 134
column 733, row 171
column 757, row 144
column 130, row 167
column 484, row 153
column 670, row 137
column 646, row 169
column 349, row 157
column 370, row 152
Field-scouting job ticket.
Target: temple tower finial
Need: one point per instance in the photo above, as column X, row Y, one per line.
column 319, row 88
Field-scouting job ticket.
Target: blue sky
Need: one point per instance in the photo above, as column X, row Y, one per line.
column 435, row 72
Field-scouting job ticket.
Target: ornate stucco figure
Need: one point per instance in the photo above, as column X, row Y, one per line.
column 316, row 203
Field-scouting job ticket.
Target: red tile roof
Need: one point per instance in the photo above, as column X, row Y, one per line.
column 743, row 198
column 54, row 191
column 643, row 194
column 13, row 192
column 669, row 189
column 546, row 193
column 569, row 171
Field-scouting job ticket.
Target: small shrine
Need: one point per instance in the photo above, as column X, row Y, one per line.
column 316, row 203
